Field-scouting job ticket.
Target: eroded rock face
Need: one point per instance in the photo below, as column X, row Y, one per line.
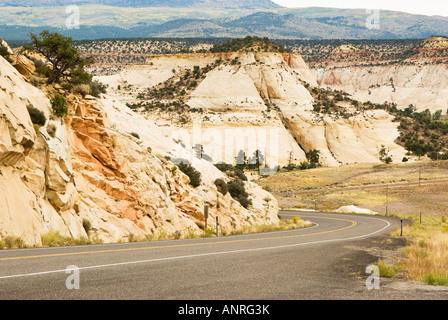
column 26, row 162
column 88, row 167
column 261, row 101
column 24, row 65
column 425, row 85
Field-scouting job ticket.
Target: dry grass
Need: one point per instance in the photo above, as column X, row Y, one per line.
column 427, row 254
column 295, row 223
column 365, row 185
column 11, row 242
column 55, row 239
column 374, row 187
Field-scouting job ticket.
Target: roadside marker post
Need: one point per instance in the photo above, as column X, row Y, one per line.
column 206, row 214
column 217, row 226
column 401, row 232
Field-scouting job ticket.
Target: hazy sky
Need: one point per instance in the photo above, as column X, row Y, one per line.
column 426, row 7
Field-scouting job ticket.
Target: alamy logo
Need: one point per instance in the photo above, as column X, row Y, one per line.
column 373, row 20
column 373, row 280
column 72, row 21
column 73, row 280
column 237, row 146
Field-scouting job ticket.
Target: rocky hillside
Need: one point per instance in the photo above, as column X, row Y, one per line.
column 226, row 102
column 417, row 76
column 102, row 172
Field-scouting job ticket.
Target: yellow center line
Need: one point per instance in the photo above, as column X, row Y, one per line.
column 353, row 224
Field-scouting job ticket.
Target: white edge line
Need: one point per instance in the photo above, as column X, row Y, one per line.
column 196, row 255
column 155, row 241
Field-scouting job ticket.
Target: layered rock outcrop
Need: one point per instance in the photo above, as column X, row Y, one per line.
column 90, row 169
column 424, row 85
column 249, row 96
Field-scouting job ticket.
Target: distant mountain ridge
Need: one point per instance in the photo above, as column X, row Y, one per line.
column 199, row 22
column 290, row 26
column 247, row 4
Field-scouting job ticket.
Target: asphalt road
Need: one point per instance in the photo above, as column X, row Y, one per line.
column 325, row 261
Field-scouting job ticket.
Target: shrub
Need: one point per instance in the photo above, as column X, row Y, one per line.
column 4, row 53
column 313, row 157
column 51, row 130
column 12, row 242
column 55, row 239
column 296, row 220
column 386, row 270
column 222, row 186
column 87, row 225
column 82, row 89
column 43, row 71
column 59, row 105
column 209, row 232
column 192, row 173
column 37, row 116
column 231, row 171
column 436, row 279
column 35, row 81
column 238, row 192
column 96, row 88
column 79, row 76
column 305, row 165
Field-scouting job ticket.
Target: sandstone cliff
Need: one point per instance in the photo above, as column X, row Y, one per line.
column 417, row 75
column 89, row 169
column 425, row 85
column 245, row 97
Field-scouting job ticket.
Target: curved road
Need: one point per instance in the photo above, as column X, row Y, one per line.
column 325, row 261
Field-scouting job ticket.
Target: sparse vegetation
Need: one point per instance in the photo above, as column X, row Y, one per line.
column 51, row 130
column 87, row 225
column 238, row 192
column 192, row 173
column 231, row 171
column 67, row 66
column 386, row 270
column 421, row 133
column 12, row 242
column 4, row 52
column 59, row 105
column 222, row 186
column 295, row 223
column 37, row 116
column 55, row 239
column 427, row 253
column 249, row 43
column 62, row 55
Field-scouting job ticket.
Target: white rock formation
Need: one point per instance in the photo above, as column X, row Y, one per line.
column 423, row 85
column 355, row 209
column 89, row 167
column 251, row 96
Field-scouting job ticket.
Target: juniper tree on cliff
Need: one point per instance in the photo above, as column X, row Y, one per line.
column 63, row 56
